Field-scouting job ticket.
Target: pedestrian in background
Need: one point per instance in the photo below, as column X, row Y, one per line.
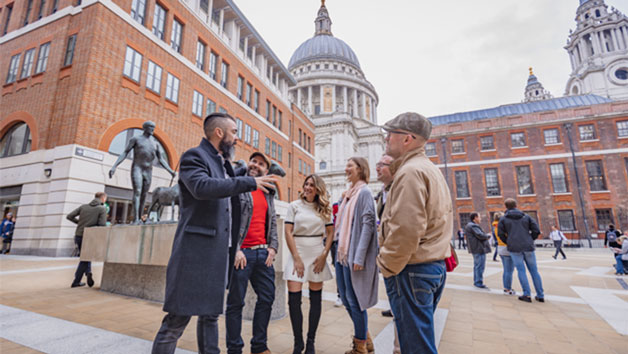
column 478, row 246
column 6, row 230
column 504, row 255
column 621, row 255
column 461, row 241
column 558, row 237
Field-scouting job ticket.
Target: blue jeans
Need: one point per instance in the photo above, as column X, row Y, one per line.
column 347, row 295
column 263, row 282
column 172, row 328
column 84, row 267
column 509, row 268
column 414, row 294
column 619, row 268
column 479, row 262
column 521, row 261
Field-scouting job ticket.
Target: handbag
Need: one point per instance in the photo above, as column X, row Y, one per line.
column 451, row 262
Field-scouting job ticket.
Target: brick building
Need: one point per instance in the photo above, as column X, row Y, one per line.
column 82, row 77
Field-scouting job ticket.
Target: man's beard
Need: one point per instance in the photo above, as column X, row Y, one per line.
column 226, row 149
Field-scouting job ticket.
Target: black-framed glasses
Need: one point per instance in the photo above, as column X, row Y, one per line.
column 400, row 132
column 381, row 164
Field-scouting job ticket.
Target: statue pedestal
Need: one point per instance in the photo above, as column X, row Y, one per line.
column 135, row 259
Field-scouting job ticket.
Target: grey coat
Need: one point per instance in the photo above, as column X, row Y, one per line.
column 201, row 260
column 246, row 207
column 363, row 250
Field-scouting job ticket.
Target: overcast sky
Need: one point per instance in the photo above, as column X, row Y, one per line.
column 436, row 57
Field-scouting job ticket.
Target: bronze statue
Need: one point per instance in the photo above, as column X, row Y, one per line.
column 144, row 152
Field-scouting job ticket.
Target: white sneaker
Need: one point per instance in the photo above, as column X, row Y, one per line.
column 338, row 302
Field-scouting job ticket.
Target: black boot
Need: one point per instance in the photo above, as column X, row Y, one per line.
column 315, row 316
column 90, row 280
column 296, row 319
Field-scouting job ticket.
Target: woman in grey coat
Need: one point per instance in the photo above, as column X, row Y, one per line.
column 356, row 269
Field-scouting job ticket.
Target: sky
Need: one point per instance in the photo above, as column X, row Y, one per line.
column 436, row 57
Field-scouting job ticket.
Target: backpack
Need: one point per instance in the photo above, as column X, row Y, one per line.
column 611, row 236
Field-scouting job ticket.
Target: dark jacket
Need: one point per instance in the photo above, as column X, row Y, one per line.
column 6, row 228
column 477, row 239
column 246, row 207
column 92, row 214
column 612, row 244
column 201, row 260
column 518, row 231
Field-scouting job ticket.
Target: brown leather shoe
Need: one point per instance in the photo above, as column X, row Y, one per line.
column 370, row 348
column 359, row 347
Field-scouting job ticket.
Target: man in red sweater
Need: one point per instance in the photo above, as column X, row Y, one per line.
column 254, row 258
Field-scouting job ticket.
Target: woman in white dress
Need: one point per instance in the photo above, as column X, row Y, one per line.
column 308, row 220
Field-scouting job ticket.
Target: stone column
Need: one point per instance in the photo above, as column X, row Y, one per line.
column 581, row 51
column 221, row 21
column 210, row 11
column 345, row 99
column 614, row 39
column 320, row 98
column 355, row 103
column 363, row 102
column 620, row 38
column 572, row 59
column 309, row 100
column 299, row 98
column 624, row 31
column 333, row 98
column 596, row 43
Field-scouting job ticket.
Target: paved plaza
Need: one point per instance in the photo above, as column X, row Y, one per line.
column 586, row 311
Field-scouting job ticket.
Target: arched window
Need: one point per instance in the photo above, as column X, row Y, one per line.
column 16, row 141
column 322, row 165
column 119, row 143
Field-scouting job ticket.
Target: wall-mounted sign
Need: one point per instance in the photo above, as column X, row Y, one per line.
column 89, row 154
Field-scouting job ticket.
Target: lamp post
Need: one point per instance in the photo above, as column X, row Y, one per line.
column 568, row 127
column 443, row 142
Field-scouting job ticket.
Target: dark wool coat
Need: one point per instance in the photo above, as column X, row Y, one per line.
column 518, row 230
column 477, row 239
column 201, row 260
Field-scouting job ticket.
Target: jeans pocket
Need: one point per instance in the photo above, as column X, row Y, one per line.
column 424, row 286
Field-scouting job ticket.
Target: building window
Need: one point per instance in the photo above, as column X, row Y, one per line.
column 457, row 146
column 42, row 58
column 274, row 150
column 159, row 21
column 289, row 160
column 255, row 138
column 172, row 88
column 200, row 55
column 300, row 166
column 518, row 139
column 587, row 132
column 211, row 106
column 13, row 68
column 551, row 136
column 280, row 121
column 487, row 143
column 240, row 129
column 462, row 185
column 138, row 10
column 256, row 102
column 69, row 51
column 27, row 65
column 29, row 8
column 213, row 62
column 8, row 10
column 175, row 37
column 247, row 134
column 120, row 142
column 465, row 218
column 559, row 179
column 42, row 4
column 524, row 180
column 430, row 149
column 622, row 129
column 132, row 64
column 240, row 88
column 566, row 220
column 531, row 213
column 322, row 165
column 300, row 138
column 597, row 182
column 604, row 218
column 275, row 116
column 197, row 103
column 153, row 77
column 267, row 146
column 309, row 146
column 268, row 110
column 492, row 182
column 249, row 93
column 16, row 141
column 222, row 110
column 224, row 74
column 55, row 5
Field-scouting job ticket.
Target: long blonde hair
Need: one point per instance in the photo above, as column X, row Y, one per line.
column 323, row 206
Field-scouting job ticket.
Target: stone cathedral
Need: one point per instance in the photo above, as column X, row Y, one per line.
column 333, row 90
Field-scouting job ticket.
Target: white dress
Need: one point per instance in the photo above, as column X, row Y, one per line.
column 308, row 233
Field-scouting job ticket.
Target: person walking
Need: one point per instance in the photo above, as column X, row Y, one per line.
column 415, row 233
column 356, row 268
column 92, row 214
column 558, row 237
column 478, row 246
column 205, row 242
column 6, row 230
column 461, row 241
column 307, row 220
column 621, row 255
column 255, row 253
column 518, row 230
column 504, row 255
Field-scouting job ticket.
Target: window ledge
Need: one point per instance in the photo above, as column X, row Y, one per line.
column 38, row 74
column 22, row 79
column 8, row 84
column 599, row 192
column 520, row 147
column 622, row 137
column 458, row 153
column 494, row 197
column 464, row 198
column 590, row 141
column 554, row 144
column 526, row 195
column 568, row 193
column 488, row 150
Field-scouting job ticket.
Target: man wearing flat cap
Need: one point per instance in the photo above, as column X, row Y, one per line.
column 416, row 228
column 255, row 253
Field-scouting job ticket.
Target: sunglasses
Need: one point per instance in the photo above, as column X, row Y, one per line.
column 400, row 132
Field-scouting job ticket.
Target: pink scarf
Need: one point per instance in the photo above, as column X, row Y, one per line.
column 344, row 220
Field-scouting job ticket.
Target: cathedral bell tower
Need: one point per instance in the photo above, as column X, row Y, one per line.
column 598, row 50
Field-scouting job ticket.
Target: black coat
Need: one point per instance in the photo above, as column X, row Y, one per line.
column 477, row 239
column 201, row 260
column 518, row 231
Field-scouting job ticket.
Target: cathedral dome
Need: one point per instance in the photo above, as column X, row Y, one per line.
column 324, row 46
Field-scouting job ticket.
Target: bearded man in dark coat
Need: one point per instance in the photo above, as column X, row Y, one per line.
column 202, row 254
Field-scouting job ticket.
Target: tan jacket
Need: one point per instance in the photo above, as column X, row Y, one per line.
column 418, row 218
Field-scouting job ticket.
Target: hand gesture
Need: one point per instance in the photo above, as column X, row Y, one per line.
column 299, row 268
column 357, row 267
column 240, row 260
column 271, row 257
column 111, row 172
column 265, row 183
column 319, row 263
